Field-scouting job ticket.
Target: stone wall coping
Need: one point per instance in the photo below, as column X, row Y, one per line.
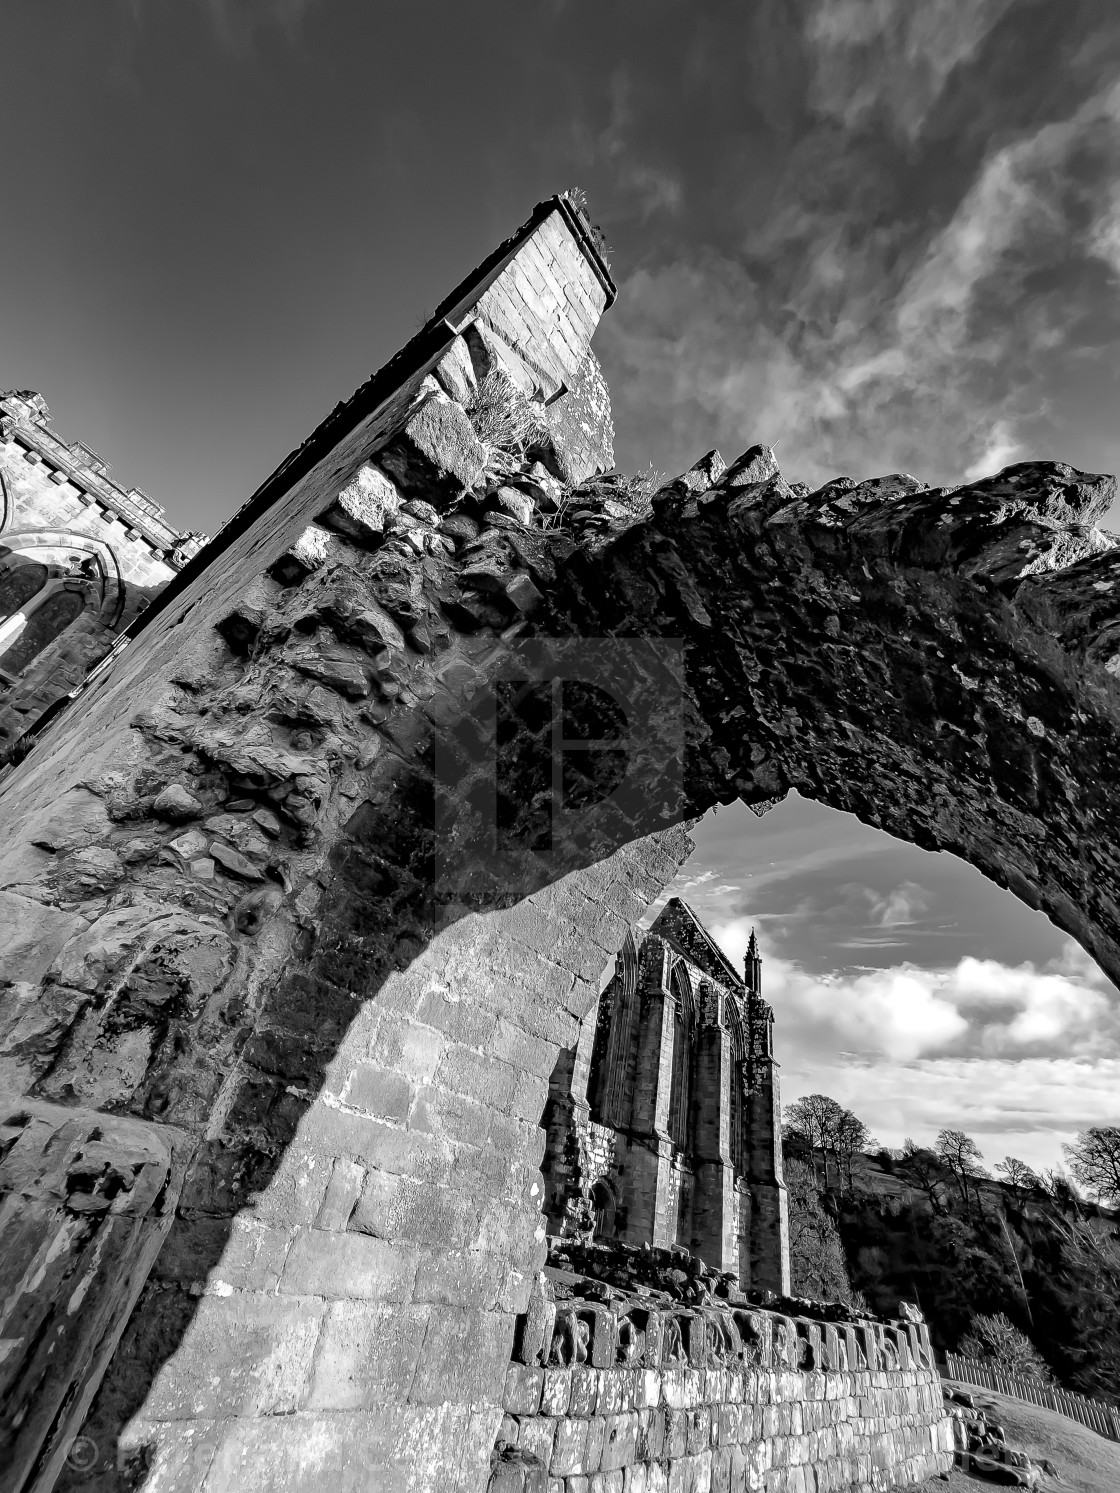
column 636, row 1333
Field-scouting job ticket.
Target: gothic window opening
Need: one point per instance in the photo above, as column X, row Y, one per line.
column 680, row 1095
column 603, row 1207
column 607, row 1090
column 42, row 627
column 736, row 1107
column 18, row 584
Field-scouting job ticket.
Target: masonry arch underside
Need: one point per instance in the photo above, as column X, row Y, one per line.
column 893, row 661
column 887, row 663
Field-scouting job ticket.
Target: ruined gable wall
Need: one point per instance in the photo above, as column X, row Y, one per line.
column 217, row 915
column 678, row 925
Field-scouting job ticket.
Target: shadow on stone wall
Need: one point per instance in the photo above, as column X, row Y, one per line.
column 278, row 925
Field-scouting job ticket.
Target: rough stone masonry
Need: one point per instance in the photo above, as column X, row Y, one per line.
column 293, row 932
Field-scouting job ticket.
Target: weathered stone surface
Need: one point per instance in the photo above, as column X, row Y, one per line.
column 340, row 670
column 490, row 354
column 524, row 595
column 308, row 554
column 32, row 934
column 80, row 819
column 757, row 464
column 176, row 803
column 437, row 454
column 362, row 507
column 459, row 526
column 456, row 374
column 517, row 504
column 233, row 861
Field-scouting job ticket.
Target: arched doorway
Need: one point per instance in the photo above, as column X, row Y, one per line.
column 603, row 1203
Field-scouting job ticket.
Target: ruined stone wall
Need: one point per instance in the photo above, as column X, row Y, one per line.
column 218, row 918
column 612, row 1397
column 245, row 898
column 100, row 553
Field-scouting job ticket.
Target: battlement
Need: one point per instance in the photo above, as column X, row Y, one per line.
column 26, row 430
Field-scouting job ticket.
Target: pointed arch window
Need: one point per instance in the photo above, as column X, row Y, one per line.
column 18, row 584
column 614, row 1035
column 41, row 628
column 603, row 1206
column 680, row 1091
column 737, row 1107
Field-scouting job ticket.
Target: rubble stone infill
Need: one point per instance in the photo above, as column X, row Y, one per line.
column 617, row 1396
column 609, row 1270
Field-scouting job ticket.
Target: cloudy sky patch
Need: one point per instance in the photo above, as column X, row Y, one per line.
column 907, row 986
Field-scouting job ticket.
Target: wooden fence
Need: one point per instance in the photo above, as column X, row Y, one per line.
column 1099, row 1417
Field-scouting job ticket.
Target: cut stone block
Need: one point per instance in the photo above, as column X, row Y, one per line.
column 455, row 372
column 437, row 454
column 489, row 354
column 362, row 507
column 308, row 554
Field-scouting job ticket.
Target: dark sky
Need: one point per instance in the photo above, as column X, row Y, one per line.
column 885, row 235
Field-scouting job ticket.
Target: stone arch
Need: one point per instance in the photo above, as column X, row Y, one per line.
column 919, row 658
column 45, row 622
column 57, row 548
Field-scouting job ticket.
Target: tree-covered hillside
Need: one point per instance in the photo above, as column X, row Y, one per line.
column 929, row 1224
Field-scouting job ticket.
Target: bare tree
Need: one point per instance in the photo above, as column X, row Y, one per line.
column 1017, row 1174
column 923, row 1169
column 1094, row 1160
column 852, row 1136
column 815, row 1120
column 962, row 1156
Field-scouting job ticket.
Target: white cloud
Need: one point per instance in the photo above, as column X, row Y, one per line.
column 652, row 186
column 898, row 907
column 884, row 361
column 1025, row 1109
column 893, row 1014
column 979, row 1007
column 878, row 53
column 1103, row 241
column 1000, row 450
